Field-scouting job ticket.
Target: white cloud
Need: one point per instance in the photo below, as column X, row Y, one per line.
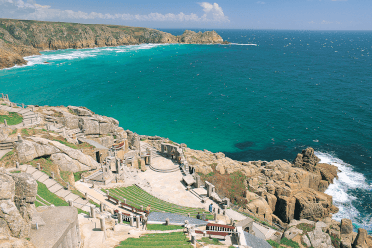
column 260, row 2
column 213, row 12
column 31, row 10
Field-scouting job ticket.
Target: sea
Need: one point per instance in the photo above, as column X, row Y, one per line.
column 267, row 95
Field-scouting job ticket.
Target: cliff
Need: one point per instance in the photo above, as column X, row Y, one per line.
column 20, row 38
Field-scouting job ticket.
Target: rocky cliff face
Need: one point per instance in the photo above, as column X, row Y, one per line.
column 24, row 38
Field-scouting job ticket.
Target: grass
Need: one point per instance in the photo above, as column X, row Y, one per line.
column 136, row 197
column 77, row 175
column 9, row 159
column 46, row 195
column 25, row 132
column 209, row 241
column 9, row 154
column 73, row 146
column 161, row 227
column 166, row 240
column 94, row 203
column 306, row 227
column 11, row 119
column 17, row 171
column 290, row 243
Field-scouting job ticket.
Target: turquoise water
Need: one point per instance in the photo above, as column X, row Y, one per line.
column 283, row 92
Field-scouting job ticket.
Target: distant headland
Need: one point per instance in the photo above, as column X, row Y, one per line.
column 20, row 38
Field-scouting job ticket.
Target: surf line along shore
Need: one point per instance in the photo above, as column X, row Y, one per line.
column 33, row 37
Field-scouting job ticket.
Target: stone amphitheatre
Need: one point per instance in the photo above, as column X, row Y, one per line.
column 72, row 178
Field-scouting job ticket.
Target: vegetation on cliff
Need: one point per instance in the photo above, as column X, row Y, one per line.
column 19, row 38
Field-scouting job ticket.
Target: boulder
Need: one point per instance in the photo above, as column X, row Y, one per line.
column 361, row 239
column 7, row 187
column 89, row 126
column 80, row 111
column 28, row 150
column 306, row 160
column 346, row 226
column 319, row 239
column 17, row 225
column 4, row 133
column 66, row 163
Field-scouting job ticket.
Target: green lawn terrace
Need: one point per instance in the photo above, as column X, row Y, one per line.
column 175, row 239
column 11, row 119
column 46, row 198
column 137, row 197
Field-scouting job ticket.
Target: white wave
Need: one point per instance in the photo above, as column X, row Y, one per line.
column 347, row 179
column 70, row 54
column 237, row 44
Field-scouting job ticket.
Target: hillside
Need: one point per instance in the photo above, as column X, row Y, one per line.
column 20, row 38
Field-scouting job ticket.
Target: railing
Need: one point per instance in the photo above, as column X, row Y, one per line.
column 220, row 228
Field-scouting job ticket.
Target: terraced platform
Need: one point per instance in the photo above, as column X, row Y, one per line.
column 136, row 197
column 176, row 239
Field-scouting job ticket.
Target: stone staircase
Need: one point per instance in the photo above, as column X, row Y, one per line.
column 29, row 117
column 6, row 145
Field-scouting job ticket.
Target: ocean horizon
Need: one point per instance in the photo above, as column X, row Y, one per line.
column 266, row 96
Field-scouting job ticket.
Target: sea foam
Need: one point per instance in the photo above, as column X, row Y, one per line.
column 347, row 180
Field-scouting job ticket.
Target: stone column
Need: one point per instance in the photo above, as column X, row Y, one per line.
column 131, row 220
column 38, row 166
column 52, row 175
column 92, row 212
column 101, row 205
column 138, row 221
column 197, row 181
column 2, row 95
column 120, row 217
column 5, row 123
column 193, row 239
column 17, row 165
column 70, row 203
column 167, row 221
column 20, row 140
column 215, row 216
column 23, row 105
column 141, row 207
column 103, row 226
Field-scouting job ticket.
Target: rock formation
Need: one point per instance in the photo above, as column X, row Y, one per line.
column 24, row 38
column 17, row 197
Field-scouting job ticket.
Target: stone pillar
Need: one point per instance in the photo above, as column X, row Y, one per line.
column 20, row 140
column 92, row 212
column 193, row 239
column 101, row 205
column 38, row 166
column 17, row 165
column 125, row 201
column 103, row 226
column 2, row 95
column 167, row 221
column 197, row 181
column 131, row 220
column 23, row 105
column 7, row 97
column 141, row 207
column 68, row 186
column 120, row 217
column 86, row 196
column 138, row 221
column 215, row 216
column 188, row 214
column 5, row 123
column 70, row 203
column 107, row 192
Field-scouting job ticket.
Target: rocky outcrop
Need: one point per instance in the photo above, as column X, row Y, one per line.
column 24, row 38
column 17, row 197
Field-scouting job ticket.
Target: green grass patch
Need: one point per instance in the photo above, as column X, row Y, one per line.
column 209, row 241
column 14, row 172
column 306, row 227
column 14, row 131
column 11, row 119
column 9, row 154
column 77, row 192
column 64, row 175
column 161, row 227
column 43, row 192
column 177, row 239
column 77, row 175
column 73, row 146
column 24, row 131
column 94, row 203
column 290, row 243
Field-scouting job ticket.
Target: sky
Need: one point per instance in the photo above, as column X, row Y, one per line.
column 218, row 14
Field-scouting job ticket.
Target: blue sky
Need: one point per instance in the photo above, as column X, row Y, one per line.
column 241, row 14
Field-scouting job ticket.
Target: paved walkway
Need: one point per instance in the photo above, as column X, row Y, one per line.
column 235, row 215
column 174, row 219
column 54, row 187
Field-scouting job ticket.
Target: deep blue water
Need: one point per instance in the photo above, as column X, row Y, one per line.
column 283, row 92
